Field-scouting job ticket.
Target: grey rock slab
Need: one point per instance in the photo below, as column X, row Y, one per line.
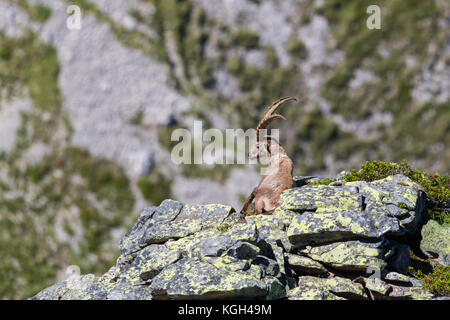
column 350, row 255
column 320, row 198
column 305, row 265
column 175, row 222
column 312, row 288
column 319, row 227
column 190, row 279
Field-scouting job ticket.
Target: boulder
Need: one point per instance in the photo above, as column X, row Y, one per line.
column 336, row 288
column 320, row 198
column 305, row 265
column 321, row 227
column 436, row 240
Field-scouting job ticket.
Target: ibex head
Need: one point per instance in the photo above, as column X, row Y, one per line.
column 265, row 146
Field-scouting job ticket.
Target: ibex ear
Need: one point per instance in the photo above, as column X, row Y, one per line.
column 268, row 146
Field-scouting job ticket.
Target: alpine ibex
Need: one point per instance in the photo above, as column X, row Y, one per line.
column 278, row 176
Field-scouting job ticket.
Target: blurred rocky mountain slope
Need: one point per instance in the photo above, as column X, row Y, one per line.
column 86, row 115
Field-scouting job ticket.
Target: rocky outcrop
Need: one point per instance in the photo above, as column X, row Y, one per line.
column 323, row 242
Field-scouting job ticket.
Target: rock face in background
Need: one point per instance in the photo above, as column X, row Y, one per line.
column 312, row 247
column 86, row 115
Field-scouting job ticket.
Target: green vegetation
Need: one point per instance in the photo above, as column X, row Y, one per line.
column 442, row 217
column 26, row 60
column 133, row 39
column 183, row 31
column 28, row 66
column 245, row 38
column 407, row 29
column 325, row 182
column 39, row 13
column 62, row 209
column 435, row 277
column 101, row 200
column 218, row 173
column 155, row 187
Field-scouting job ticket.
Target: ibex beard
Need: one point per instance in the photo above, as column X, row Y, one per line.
column 278, row 176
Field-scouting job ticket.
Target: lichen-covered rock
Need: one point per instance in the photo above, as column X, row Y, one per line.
column 320, row 227
column 269, row 266
column 436, row 239
column 396, row 196
column 212, row 247
column 396, row 277
column 352, row 255
column 377, row 286
column 272, row 228
column 414, row 292
column 189, row 279
column 151, row 260
column 322, row 242
column 320, row 198
column 187, row 220
column 305, row 265
column 166, row 212
column 312, row 288
column 130, row 242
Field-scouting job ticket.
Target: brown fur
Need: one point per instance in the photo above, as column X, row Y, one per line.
column 279, row 169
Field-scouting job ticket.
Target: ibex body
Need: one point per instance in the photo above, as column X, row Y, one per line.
column 278, row 176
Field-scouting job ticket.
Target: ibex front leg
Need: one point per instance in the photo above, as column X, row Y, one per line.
column 247, row 203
